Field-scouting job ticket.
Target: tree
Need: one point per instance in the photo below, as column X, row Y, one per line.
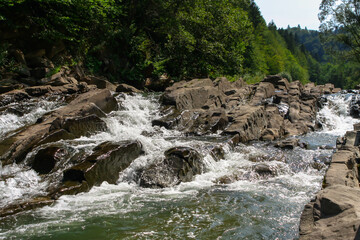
column 340, row 21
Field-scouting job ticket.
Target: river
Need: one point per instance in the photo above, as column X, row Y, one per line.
column 230, row 200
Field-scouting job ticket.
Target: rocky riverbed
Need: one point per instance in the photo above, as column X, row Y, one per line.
column 97, row 132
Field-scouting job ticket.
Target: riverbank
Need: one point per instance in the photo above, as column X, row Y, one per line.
column 334, row 212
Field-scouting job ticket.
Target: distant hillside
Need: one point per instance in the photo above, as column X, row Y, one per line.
column 130, row 41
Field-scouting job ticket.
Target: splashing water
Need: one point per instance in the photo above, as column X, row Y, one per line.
column 228, row 201
column 28, row 114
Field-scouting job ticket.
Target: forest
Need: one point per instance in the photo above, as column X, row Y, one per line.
column 130, row 40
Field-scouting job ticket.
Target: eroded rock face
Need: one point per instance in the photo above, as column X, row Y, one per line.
column 271, row 109
column 181, row 164
column 334, row 214
column 80, row 117
column 105, row 164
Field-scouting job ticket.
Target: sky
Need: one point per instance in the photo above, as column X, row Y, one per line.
column 291, row 12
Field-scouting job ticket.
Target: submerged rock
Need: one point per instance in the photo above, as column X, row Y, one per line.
column 25, row 206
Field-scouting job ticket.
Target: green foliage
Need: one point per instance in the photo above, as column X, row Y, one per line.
column 340, row 21
column 253, row 78
column 129, row 41
column 53, row 71
column 3, row 54
column 286, row 75
column 93, row 64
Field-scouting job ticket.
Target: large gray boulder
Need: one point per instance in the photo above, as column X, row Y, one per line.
column 105, row 164
column 334, row 215
column 181, row 164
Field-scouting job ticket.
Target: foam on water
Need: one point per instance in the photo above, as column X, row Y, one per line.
column 34, row 109
column 251, row 206
column 335, row 115
column 17, row 183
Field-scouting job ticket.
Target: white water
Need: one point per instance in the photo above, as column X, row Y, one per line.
column 33, row 109
column 335, row 115
column 276, row 202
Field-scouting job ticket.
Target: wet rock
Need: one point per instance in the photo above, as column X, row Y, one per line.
column 105, row 164
column 290, row 143
column 271, row 109
column 25, row 206
column 181, row 164
column 217, row 152
column 83, row 126
column 355, row 106
column 78, row 111
column 38, row 90
column 46, row 159
column 264, row 170
column 334, row 213
column 270, row 134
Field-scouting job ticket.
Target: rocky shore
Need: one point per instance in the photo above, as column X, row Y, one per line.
column 335, row 211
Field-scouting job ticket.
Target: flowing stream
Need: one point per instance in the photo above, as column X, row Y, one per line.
column 228, row 201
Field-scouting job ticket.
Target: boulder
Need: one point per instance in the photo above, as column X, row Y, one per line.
column 333, row 215
column 271, row 109
column 100, row 82
column 125, row 88
column 247, row 121
column 181, row 164
column 264, row 170
column 83, row 126
column 105, row 164
column 264, row 90
column 278, row 81
column 86, row 107
column 188, row 95
column 158, row 84
column 342, row 170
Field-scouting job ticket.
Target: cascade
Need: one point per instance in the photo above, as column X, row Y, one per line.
column 256, row 191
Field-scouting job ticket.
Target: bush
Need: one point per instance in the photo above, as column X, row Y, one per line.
column 286, row 75
column 253, row 78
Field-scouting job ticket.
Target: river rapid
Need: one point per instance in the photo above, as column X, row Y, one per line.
column 230, row 200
